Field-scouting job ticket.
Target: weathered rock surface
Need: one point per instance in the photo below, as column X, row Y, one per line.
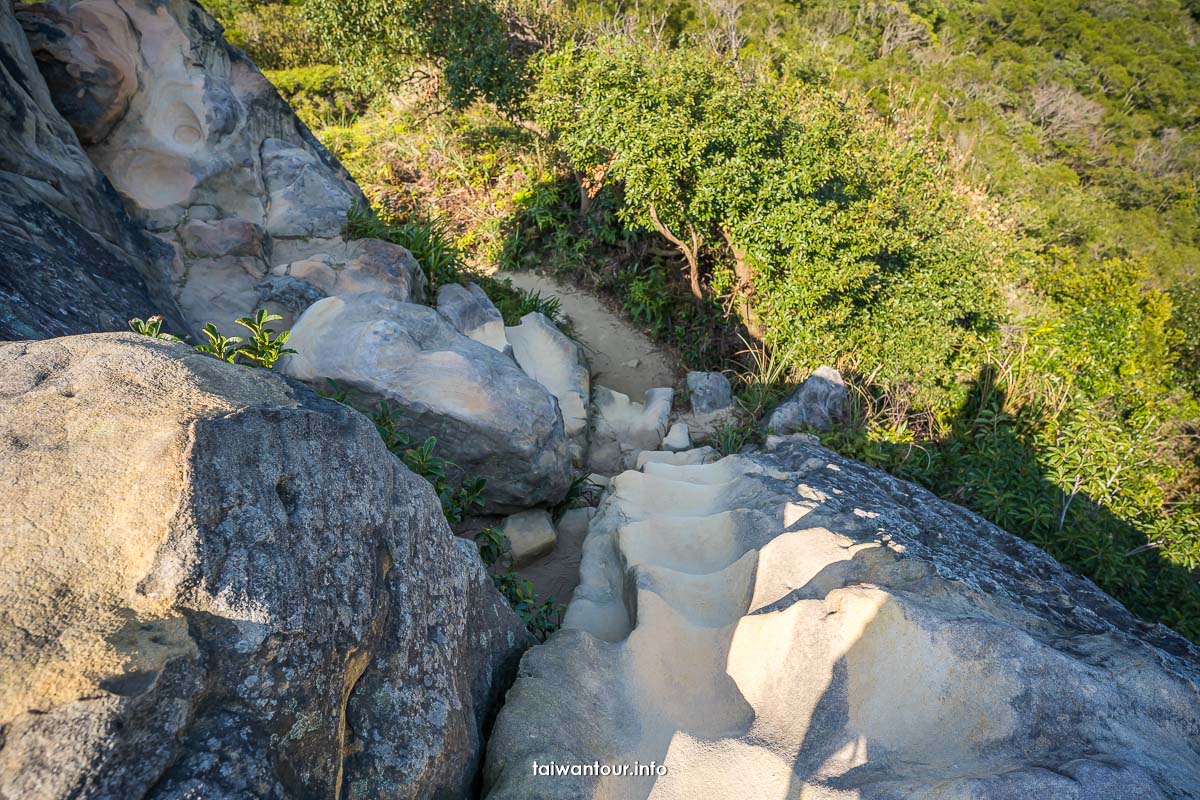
column 217, row 584
column 709, row 392
column 794, row 624
column 819, row 403
column 621, row 428
column 699, row 455
column 201, row 148
column 71, row 260
column 555, row 361
column 490, row 419
column 472, row 313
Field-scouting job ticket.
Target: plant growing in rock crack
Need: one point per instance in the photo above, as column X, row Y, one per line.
column 540, row 618
column 493, row 546
column 457, row 501
column 219, row 345
column 151, row 327
column 264, row 347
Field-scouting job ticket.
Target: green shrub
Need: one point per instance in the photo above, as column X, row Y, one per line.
column 274, row 34
column 384, row 44
column 1185, row 300
column 831, row 236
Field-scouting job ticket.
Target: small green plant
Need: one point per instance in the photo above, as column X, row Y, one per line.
column 457, row 501
column 264, row 347
column 220, row 346
column 151, row 327
column 540, row 618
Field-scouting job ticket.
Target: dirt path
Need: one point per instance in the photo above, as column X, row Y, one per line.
column 622, row 357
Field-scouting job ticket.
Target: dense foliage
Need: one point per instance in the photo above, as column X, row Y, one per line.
column 985, row 213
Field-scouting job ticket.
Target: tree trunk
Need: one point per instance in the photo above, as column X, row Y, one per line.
column 690, row 252
column 745, row 287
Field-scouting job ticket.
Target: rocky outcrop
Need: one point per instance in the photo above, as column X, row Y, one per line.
column 819, row 404
column 217, row 584
column 556, row 361
column 794, row 624
column 71, row 261
column 204, row 154
column 490, row 419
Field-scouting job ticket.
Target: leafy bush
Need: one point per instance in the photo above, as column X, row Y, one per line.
column 830, row 235
column 384, row 44
column 274, row 33
column 1185, row 300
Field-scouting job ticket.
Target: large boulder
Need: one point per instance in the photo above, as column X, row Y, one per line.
column 795, row 624
column 217, row 584
column 491, row 420
column 201, row 148
column 71, row 260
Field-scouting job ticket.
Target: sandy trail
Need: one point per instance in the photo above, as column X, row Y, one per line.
column 622, row 357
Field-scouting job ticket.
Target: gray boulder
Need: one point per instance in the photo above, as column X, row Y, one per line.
column 201, row 148
column 819, row 404
column 795, row 624
column 709, row 392
column 490, row 419
column 472, row 313
column 217, row 584
column 71, row 260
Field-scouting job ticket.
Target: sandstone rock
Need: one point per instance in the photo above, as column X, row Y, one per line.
column 71, row 260
column 204, row 153
column 530, row 534
column 622, row 427
column 699, row 455
column 472, row 313
column 490, row 418
column 794, row 624
column 709, row 392
column 819, row 403
column 677, row 438
column 556, row 574
column 217, row 584
column 554, row 360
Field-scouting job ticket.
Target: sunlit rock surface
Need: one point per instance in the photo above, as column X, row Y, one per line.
column 490, row 419
column 216, row 584
column 796, row 625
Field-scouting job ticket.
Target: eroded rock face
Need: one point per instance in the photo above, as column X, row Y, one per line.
column 71, row 260
column 201, row 148
column 490, row 419
column 217, row 584
column 793, row 624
